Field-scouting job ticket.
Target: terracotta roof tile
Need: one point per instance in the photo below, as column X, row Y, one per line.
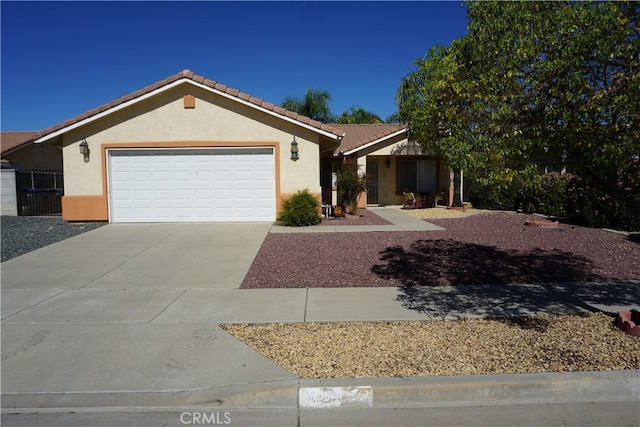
column 13, row 140
column 199, row 79
column 359, row 135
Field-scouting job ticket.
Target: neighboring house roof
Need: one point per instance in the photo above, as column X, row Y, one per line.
column 197, row 80
column 358, row 137
column 12, row 141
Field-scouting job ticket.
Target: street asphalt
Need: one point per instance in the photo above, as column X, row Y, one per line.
column 125, row 319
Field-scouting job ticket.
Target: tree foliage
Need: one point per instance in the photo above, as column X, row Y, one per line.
column 432, row 103
column 358, row 115
column 533, row 85
column 314, row 104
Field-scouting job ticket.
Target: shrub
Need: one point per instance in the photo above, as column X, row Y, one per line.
column 498, row 193
column 590, row 204
column 300, row 210
column 351, row 184
column 544, row 194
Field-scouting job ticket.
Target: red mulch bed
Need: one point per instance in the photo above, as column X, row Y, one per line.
column 364, row 217
column 495, row 248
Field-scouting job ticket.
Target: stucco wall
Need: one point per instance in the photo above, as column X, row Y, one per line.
column 37, row 157
column 215, row 121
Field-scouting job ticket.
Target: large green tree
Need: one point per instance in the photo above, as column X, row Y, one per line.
column 432, row 103
column 533, row 84
column 563, row 76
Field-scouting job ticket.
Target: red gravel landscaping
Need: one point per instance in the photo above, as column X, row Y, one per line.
column 496, row 248
column 364, row 217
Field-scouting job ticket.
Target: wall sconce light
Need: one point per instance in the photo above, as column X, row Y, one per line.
column 294, row 149
column 388, row 162
column 84, row 150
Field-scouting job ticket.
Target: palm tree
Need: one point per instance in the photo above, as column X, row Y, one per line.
column 314, row 105
column 358, row 115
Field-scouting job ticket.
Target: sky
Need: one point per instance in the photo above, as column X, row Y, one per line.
column 61, row 59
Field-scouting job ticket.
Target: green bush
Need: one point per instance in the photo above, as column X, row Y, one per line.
column 496, row 194
column 300, row 210
column 588, row 204
column 544, row 194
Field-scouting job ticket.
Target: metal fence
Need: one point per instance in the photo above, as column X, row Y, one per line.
column 39, row 192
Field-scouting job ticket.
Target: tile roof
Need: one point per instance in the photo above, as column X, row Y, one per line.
column 357, row 136
column 13, row 140
column 187, row 74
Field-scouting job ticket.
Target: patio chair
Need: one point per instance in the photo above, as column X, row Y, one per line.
column 409, row 201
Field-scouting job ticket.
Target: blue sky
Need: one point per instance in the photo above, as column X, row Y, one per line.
column 60, row 59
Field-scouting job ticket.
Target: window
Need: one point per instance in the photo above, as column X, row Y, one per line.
column 417, row 175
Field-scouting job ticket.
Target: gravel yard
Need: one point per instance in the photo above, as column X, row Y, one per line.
column 476, row 247
column 22, row 234
column 557, row 343
column 483, row 248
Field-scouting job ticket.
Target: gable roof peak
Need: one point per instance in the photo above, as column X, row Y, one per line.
column 211, row 85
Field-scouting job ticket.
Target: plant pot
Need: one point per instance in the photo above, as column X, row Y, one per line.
column 629, row 321
column 338, row 212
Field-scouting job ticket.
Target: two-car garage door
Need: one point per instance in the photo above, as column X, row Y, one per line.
column 192, row 185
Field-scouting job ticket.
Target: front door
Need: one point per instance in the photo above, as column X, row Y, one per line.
column 373, row 184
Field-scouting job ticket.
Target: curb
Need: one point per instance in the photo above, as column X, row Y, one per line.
column 269, row 394
column 311, row 394
column 471, row 390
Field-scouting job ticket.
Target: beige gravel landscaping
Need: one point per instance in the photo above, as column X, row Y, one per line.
column 555, row 343
column 440, row 212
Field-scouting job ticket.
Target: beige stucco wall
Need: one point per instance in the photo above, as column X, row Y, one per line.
column 214, row 119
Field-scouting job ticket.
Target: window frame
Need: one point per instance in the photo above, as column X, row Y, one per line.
column 400, row 159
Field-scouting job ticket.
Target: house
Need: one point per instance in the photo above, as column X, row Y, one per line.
column 191, row 149
column 393, row 164
column 19, row 152
column 25, row 167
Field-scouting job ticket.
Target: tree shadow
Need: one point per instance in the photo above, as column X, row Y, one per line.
column 450, row 262
column 452, row 279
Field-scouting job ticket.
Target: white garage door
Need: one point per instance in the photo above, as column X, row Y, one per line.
column 199, row 185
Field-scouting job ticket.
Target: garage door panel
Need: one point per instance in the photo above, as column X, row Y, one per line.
column 192, row 185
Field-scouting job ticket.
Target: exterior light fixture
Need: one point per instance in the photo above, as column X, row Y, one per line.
column 388, row 162
column 294, row 149
column 84, row 150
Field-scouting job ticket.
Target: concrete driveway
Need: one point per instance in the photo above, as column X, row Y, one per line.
column 142, row 256
column 132, row 310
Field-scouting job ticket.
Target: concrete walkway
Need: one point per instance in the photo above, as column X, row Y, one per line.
column 126, row 316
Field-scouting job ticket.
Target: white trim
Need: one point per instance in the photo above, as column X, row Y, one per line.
column 170, row 86
column 372, row 143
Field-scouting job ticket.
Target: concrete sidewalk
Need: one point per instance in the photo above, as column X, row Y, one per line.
column 126, row 316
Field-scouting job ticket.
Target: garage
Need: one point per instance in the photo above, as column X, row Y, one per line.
column 192, row 185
